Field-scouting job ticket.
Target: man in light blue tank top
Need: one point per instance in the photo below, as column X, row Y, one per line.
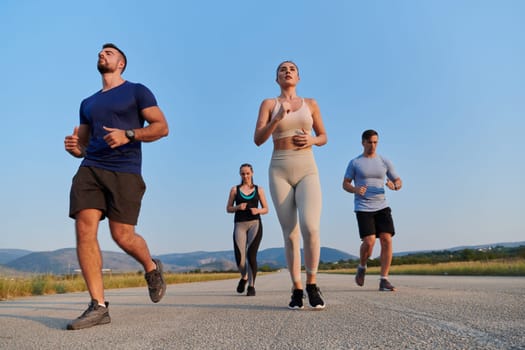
column 368, row 172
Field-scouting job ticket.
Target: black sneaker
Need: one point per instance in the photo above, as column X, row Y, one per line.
column 241, row 285
column 156, row 284
column 251, row 291
column 93, row 316
column 360, row 276
column 386, row 286
column 297, row 300
column 315, row 296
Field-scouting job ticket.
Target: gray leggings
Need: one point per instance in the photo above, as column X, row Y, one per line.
column 296, row 192
column 247, row 236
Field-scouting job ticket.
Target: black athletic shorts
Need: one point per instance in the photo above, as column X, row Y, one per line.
column 375, row 222
column 118, row 195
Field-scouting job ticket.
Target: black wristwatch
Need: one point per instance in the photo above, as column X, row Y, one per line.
column 130, row 134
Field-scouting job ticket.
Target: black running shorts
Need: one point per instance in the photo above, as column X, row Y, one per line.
column 375, row 222
column 118, row 195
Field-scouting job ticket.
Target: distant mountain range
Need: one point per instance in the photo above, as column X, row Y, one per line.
column 64, row 261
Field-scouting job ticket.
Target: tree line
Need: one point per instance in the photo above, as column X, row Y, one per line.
column 436, row 257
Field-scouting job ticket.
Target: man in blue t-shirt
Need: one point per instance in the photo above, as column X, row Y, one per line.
column 108, row 182
column 374, row 219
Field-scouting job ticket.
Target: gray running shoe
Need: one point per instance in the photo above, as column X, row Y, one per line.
column 297, row 300
column 315, row 296
column 386, row 286
column 93, row 316
column 156, row 284
column 360, row 276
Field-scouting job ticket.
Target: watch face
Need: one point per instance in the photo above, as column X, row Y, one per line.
column 130, row 134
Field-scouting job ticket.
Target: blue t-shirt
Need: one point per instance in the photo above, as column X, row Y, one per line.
column 119, row 108
column 370, row 172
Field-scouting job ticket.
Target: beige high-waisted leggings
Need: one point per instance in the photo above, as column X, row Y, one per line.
column 296, row 192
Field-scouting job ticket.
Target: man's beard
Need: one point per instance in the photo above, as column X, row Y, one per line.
column 104, row 69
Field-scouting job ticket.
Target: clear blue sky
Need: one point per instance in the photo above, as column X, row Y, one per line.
column 443, row 82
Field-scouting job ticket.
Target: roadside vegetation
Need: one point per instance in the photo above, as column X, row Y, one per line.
column 498, row 261
column 15, row 287
column 508, row 267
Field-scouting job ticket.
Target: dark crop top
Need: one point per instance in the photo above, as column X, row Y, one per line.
column 253, row 202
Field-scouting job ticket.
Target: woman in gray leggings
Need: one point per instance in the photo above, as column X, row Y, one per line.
column 293, row 177
column 244, row 201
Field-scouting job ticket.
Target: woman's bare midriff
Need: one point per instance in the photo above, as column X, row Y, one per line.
column 286, row 143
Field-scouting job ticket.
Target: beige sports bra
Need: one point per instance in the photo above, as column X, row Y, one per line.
column 294, row 122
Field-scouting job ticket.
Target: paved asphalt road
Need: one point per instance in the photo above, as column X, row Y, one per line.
column 442, row 312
